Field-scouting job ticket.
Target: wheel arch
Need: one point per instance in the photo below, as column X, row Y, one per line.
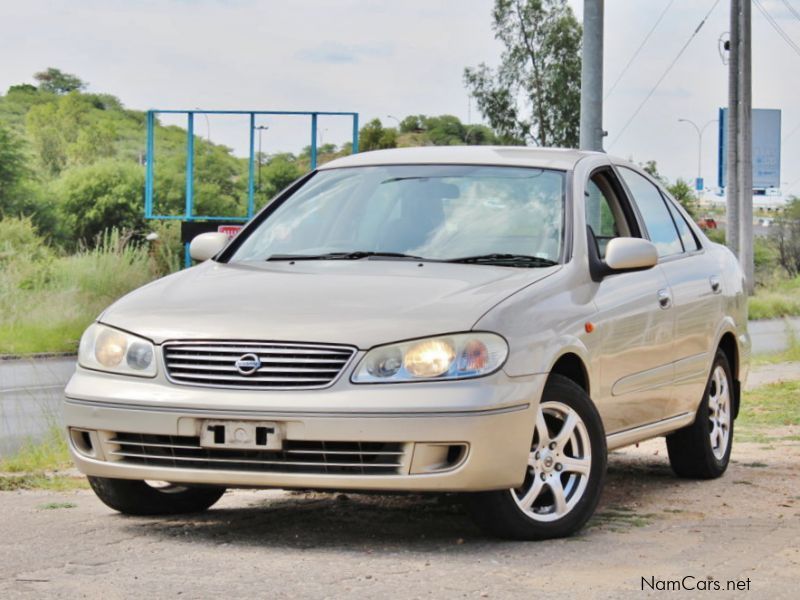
column 728, row 346
column 572, row 366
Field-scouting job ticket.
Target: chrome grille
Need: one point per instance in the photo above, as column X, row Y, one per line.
column 283, row 365
column 309, row 457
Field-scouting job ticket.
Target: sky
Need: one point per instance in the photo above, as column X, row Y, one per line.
column 384, row 57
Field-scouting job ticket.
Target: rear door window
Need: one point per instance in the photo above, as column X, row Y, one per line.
column 657, row 219
column 690, row 243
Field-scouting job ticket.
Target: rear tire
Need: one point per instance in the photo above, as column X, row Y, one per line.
column 565, row 474
column 702, row 450
column 133, row 497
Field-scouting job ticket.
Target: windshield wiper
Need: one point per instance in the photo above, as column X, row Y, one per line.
column 354, row 255
column 515, row 260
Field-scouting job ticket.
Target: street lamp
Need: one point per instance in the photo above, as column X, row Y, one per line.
column 395, row 118
column 700, row 130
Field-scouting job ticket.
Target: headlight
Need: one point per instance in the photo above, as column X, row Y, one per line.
column 457, row 356
column 106, row 349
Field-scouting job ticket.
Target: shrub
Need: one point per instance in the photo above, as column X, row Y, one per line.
column 46, row 303
column 106, row 195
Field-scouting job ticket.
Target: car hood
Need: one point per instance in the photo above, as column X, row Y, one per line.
column 358, row 302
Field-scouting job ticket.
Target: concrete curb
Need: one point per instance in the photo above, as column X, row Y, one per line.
column 38, row 356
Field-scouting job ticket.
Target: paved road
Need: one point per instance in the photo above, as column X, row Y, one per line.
column 275, row 544
column 771, row 335
column 30, row 391
column 30, row 398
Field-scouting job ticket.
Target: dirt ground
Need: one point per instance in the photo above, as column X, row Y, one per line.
column 743, row 527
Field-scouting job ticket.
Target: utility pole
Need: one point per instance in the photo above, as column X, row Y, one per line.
column 591, row 135
column 732, row 158
column 739, row 228
column 745, row 143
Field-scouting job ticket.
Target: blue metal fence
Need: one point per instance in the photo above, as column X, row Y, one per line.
column 188, row 214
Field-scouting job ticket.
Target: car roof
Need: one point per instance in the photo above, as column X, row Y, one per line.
column 520, row 156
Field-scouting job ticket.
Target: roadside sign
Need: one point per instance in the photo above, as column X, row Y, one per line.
column 698, row 184
column 766, row 148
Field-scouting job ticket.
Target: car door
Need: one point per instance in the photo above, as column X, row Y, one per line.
column 632, row 338
column 695, row 286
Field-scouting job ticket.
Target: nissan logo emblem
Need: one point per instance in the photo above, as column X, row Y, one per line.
column 248, row 364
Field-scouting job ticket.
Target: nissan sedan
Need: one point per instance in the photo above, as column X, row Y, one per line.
column 490, row 321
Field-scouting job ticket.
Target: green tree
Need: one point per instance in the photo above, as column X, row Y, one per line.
column 20, row 240
column 478, row 135
column 786, row 237
column 413, row 124
column 12, row 168
column 279, row 171
column 95, row 198
column 58, row 82
column 47, row 138
column 443, row 130
column 374, row 136
column 71, row 130
column 540, row 64
column 684, row 193
column 21, row 195
column 651, row 168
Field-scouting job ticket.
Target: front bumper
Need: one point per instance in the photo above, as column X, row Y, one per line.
column 491, row 419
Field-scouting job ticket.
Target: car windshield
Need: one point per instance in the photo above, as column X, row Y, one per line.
column 475, row 214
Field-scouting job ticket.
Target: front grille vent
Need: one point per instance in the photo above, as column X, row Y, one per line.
column 261, row 365
column 309, row 457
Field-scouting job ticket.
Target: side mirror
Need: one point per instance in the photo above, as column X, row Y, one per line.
column 630, row 254
column 207, row 245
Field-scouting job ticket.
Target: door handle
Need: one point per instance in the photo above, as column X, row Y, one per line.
column 716, row 287
column 664, row 298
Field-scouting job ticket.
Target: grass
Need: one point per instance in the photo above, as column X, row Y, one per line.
column 773, row 405
column 56, row 505
column 779, row 299
column 768, row 408
column 47, row 301
column 51, row 483
column 619, row 518
column 50, row 454
column 37, row 464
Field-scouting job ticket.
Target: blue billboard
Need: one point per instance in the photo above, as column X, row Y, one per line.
column 766, row 148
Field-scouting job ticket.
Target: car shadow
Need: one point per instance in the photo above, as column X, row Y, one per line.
column 389, row 522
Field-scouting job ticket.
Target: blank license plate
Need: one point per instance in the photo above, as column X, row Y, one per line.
column 257, row 435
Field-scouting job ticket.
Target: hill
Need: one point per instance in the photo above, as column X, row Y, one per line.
column 73, row 161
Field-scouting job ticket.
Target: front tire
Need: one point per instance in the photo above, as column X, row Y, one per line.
column 565, row 474
column 702, row 450
column 133, row 497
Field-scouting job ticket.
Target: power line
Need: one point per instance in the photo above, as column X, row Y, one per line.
column 664, row 74
column 638, row 50
column 778, row 29
column 790, row 134
column 792, row 9
column 790, row 186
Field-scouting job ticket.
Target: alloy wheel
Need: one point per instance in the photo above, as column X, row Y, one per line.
column 558, row 465
column 719, row 412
